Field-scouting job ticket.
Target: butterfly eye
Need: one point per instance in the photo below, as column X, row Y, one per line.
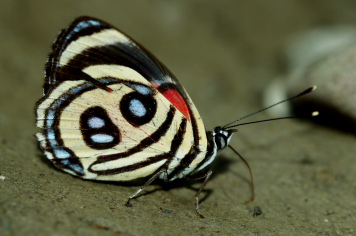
column 98, row 131
column 138, row 109
column 220, row 140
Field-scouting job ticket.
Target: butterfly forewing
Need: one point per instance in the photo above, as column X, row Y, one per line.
column 112, row 111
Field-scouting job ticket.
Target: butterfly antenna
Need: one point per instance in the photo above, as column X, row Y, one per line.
column 314, row 113
column 251, row 175
column 309, row 90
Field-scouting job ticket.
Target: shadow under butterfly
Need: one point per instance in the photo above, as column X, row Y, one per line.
column 112, row 112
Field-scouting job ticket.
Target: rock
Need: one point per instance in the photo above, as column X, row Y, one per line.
column 325, row 58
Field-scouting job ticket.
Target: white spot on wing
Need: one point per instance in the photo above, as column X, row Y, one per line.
column 50, row 118
column 50, row 114
column 137, row 108
column 76, row 168
column 96, row 123
column 50, row 134
column 102, row 138
column 61, row 153
column 85, row 24
column 142, row 89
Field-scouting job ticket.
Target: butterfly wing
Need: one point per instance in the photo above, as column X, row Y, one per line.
column 112, row 111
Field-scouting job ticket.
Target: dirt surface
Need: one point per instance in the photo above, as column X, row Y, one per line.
column 225, row 53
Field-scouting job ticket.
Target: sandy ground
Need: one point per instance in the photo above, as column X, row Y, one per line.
column 225, row 53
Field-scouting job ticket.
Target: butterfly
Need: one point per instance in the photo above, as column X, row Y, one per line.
column 111, row 111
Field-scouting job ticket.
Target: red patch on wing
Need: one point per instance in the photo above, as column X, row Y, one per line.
column 178, row 101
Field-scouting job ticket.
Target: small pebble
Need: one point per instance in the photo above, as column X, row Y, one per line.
column 257, row 211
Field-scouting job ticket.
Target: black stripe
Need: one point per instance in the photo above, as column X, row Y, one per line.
column 193, row 152
column 195, row 129
column 125, row 54
column 177, row 141
column 210, row 150
column 129, row 168
column 178, row 138
column 185, row 162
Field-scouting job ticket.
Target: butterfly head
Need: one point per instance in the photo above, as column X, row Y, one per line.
column 222, row 136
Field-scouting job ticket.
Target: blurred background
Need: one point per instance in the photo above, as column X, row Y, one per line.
column 227, row 55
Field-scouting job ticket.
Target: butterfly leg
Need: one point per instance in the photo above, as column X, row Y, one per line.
column 155, row 176
column 206, row 176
